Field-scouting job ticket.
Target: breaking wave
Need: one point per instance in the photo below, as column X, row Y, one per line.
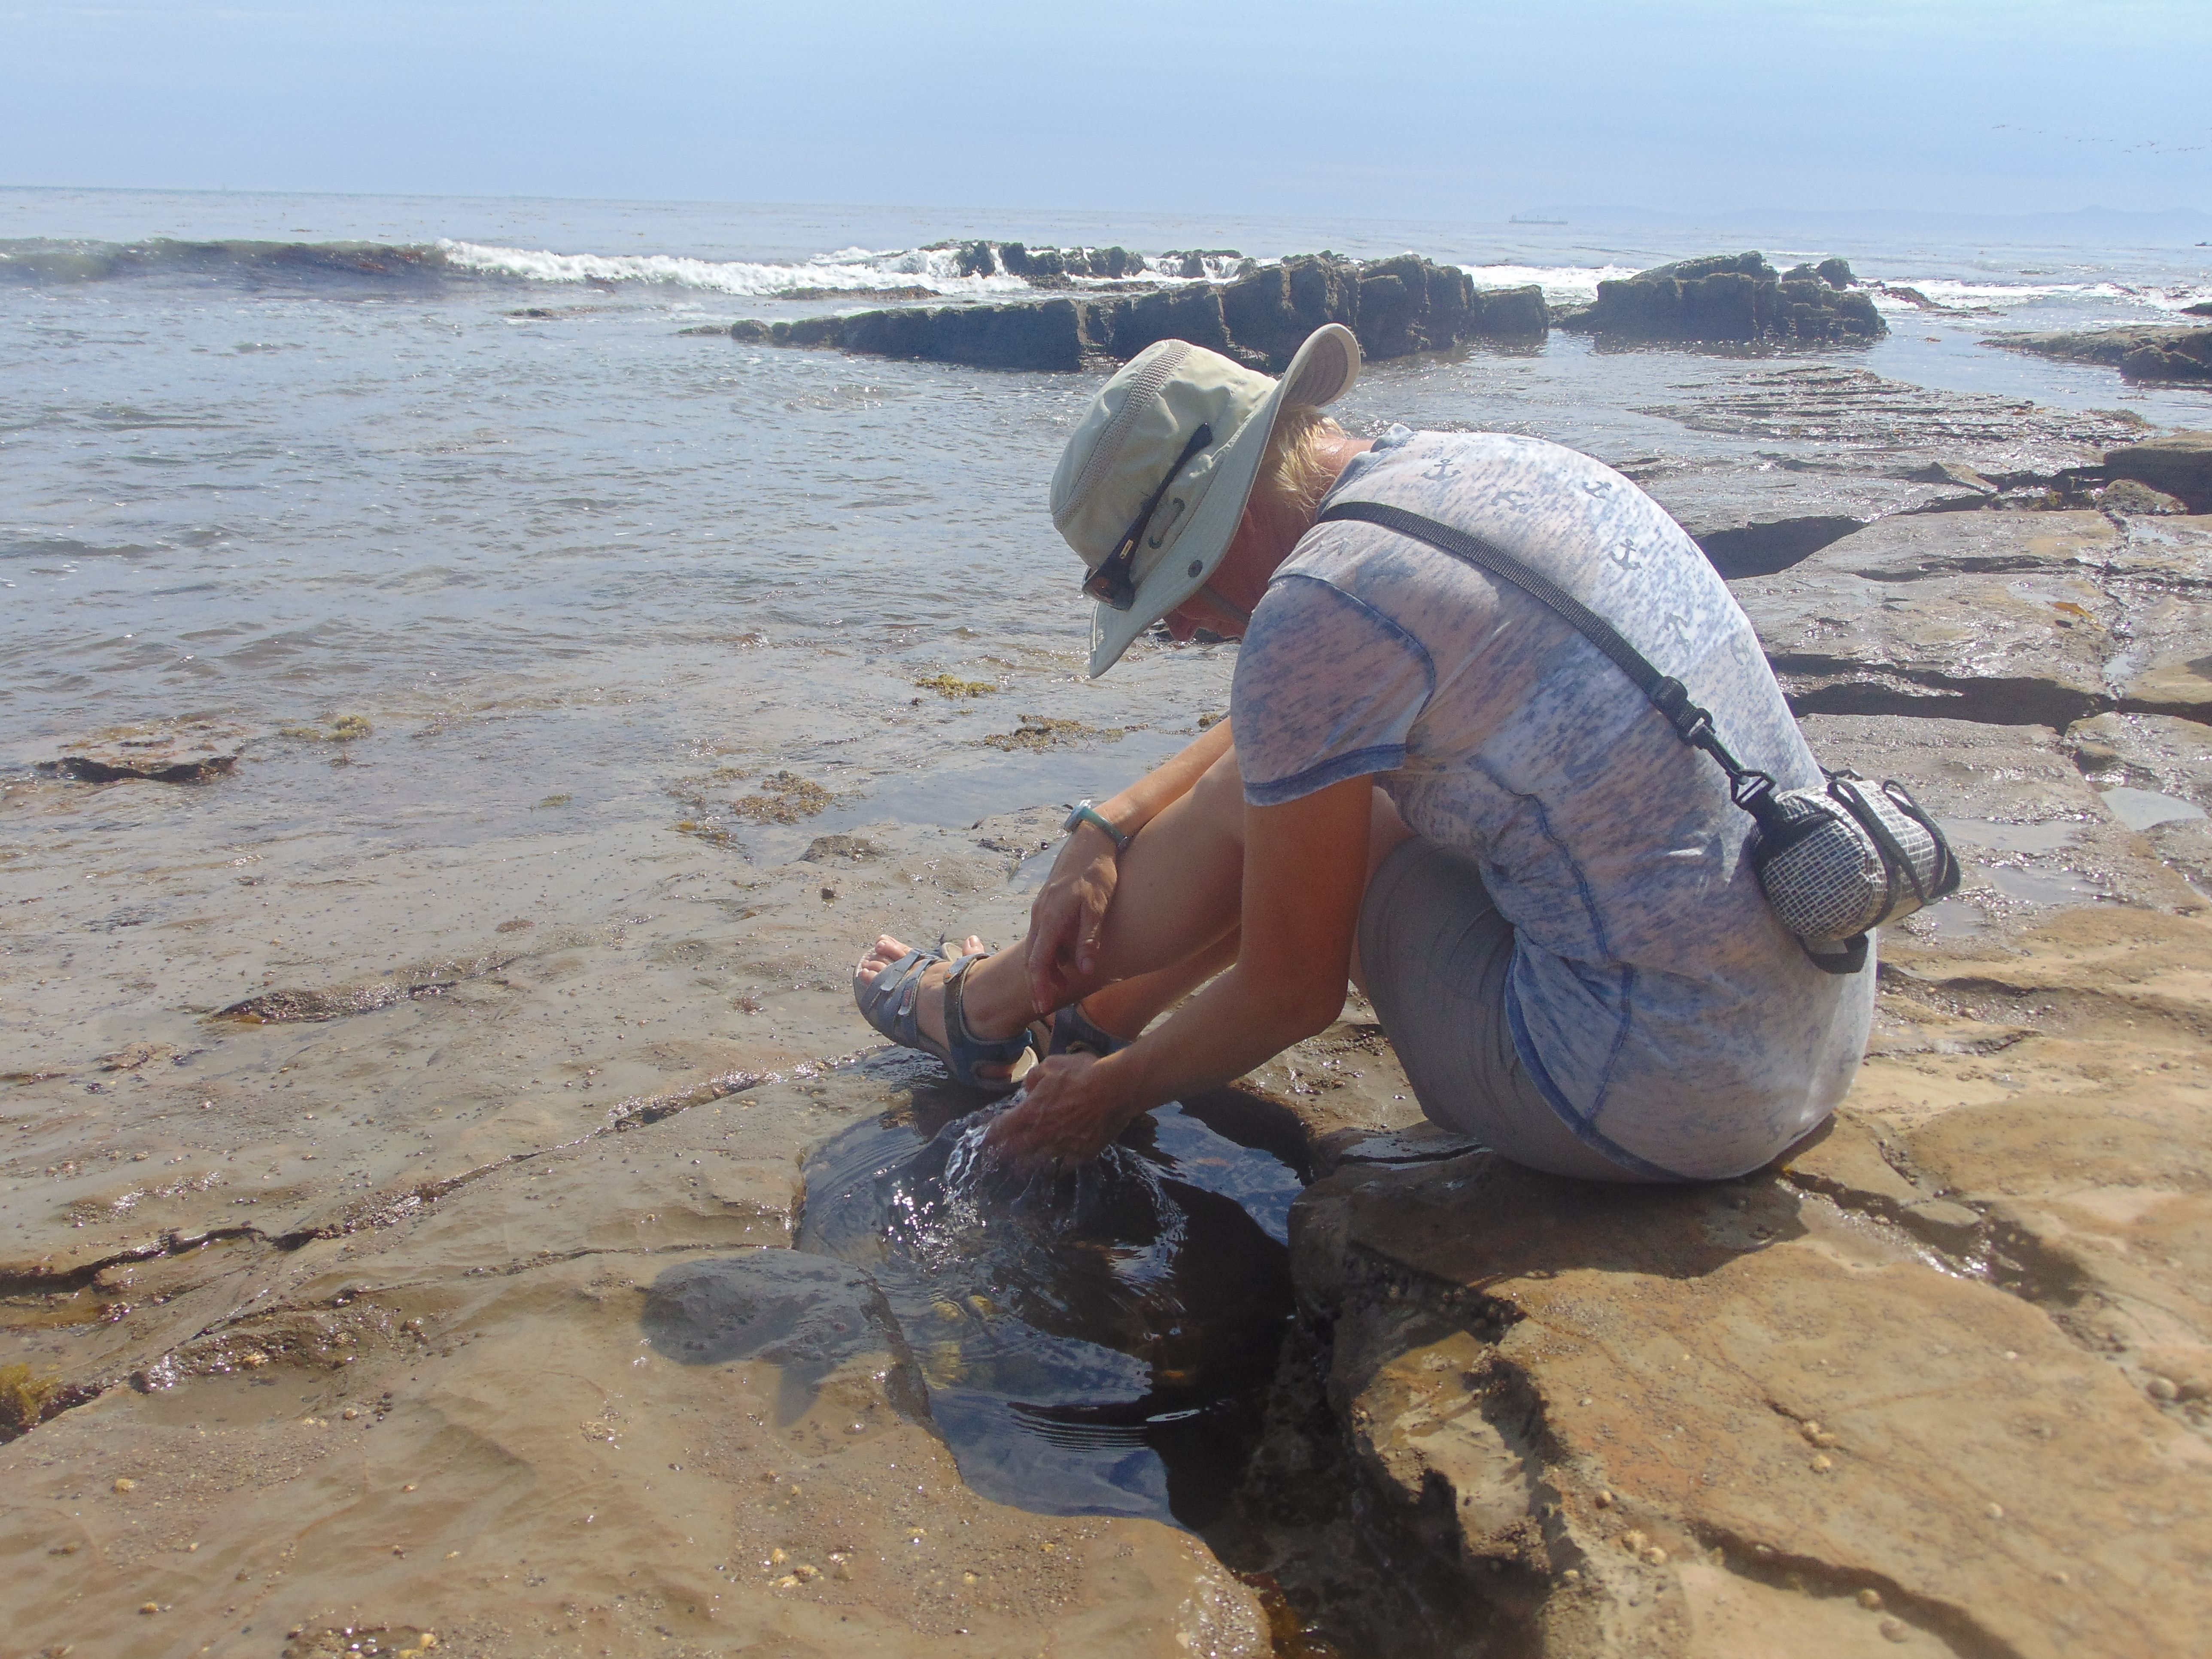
column 945, row 270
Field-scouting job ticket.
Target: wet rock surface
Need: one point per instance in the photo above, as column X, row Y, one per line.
column 2011, row 617
column 2140, row 352
column 499, row 1290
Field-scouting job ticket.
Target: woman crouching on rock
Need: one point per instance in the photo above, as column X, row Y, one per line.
column 1429, row 782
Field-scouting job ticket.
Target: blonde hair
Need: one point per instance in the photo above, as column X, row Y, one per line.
column 1293, row 474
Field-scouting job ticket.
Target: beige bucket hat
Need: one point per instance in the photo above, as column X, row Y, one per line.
column 1152, row 486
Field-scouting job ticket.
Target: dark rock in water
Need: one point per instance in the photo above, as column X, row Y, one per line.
column 1506, row 313
column 1730, row 297
column 1270, row 313
column 1835, row 273
column 1049, row 335
column 1395, row 305
column 2201, row 308
column 810, row 331
column 976, row 259
column 804, row 1314
column 2151, row 351
column 1125, row 327
column 2179, row 464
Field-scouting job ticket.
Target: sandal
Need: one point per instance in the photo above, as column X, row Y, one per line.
column 1073, row 1032
column 889, row 1002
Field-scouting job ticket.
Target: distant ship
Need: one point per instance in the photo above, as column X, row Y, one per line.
column 1524, row 219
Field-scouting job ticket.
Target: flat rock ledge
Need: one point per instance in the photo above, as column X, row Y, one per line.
column 2140, row 352
column 2031, row 617
column 1936, row 1383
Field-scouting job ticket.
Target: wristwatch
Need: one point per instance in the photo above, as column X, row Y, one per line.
column 1085, row 812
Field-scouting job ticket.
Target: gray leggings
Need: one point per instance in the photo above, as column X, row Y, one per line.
column 1435, row 953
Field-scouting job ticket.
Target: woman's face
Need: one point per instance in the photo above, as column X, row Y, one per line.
column 1231, row 578
column 1201, row 611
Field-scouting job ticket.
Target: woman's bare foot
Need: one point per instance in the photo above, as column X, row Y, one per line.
column 989, row 1010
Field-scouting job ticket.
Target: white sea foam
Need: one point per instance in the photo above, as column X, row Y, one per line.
column 1951, row 294
column 854, row 270
column 1561, row 284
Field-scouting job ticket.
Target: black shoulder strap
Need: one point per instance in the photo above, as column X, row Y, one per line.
column 1694, row 725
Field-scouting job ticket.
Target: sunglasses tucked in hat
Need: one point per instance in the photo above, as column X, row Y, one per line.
column 1152, row 486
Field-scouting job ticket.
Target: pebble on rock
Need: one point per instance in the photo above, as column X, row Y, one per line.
column 2161, row 1389
column 1996, row 1511
column 1895, row 1630
column 1823, row 1463
column 124, row 1483
column 1870, row 1600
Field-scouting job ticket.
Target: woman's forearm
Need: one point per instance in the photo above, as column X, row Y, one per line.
column 1170, row 780
column 1236, row 1023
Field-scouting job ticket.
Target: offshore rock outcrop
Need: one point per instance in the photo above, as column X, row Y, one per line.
column 1733, row 297
column 1396, row 306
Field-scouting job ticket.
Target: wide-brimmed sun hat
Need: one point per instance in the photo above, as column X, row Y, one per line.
column 1152, row 486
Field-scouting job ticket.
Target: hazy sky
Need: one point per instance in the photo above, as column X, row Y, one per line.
column 1420, row 108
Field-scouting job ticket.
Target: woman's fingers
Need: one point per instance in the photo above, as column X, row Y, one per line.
column 1050, row 1117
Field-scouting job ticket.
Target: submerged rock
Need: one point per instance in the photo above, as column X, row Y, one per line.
column 1731, row 297
column 190, row 750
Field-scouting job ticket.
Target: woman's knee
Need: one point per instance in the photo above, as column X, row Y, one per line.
column 1219, row 793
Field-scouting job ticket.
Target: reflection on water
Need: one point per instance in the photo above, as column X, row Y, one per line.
column 1093, row 1343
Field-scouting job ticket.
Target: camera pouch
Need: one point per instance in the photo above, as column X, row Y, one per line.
column 1839, row 861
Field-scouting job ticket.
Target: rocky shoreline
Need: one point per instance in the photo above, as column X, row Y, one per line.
column 356, row 1306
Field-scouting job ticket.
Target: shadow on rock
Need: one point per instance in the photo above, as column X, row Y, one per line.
column 806, row 1315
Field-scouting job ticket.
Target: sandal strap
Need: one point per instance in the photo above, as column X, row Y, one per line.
column 966, row 1049
column 1073, row 1029
column 891, row 1003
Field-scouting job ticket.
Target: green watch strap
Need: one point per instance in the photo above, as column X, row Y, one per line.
column 1085, row 812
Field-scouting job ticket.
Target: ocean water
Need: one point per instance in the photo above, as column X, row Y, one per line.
column 290, row 457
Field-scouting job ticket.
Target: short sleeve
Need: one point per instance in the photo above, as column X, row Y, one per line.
column 1326, row 688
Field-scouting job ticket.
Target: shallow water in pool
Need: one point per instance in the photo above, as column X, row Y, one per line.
column 1094, row 1343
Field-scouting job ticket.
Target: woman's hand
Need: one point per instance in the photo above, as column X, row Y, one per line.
column 1066, row 917
column 1067, row 1113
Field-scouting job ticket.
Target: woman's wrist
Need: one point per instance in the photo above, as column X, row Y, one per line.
column 1087, row 816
